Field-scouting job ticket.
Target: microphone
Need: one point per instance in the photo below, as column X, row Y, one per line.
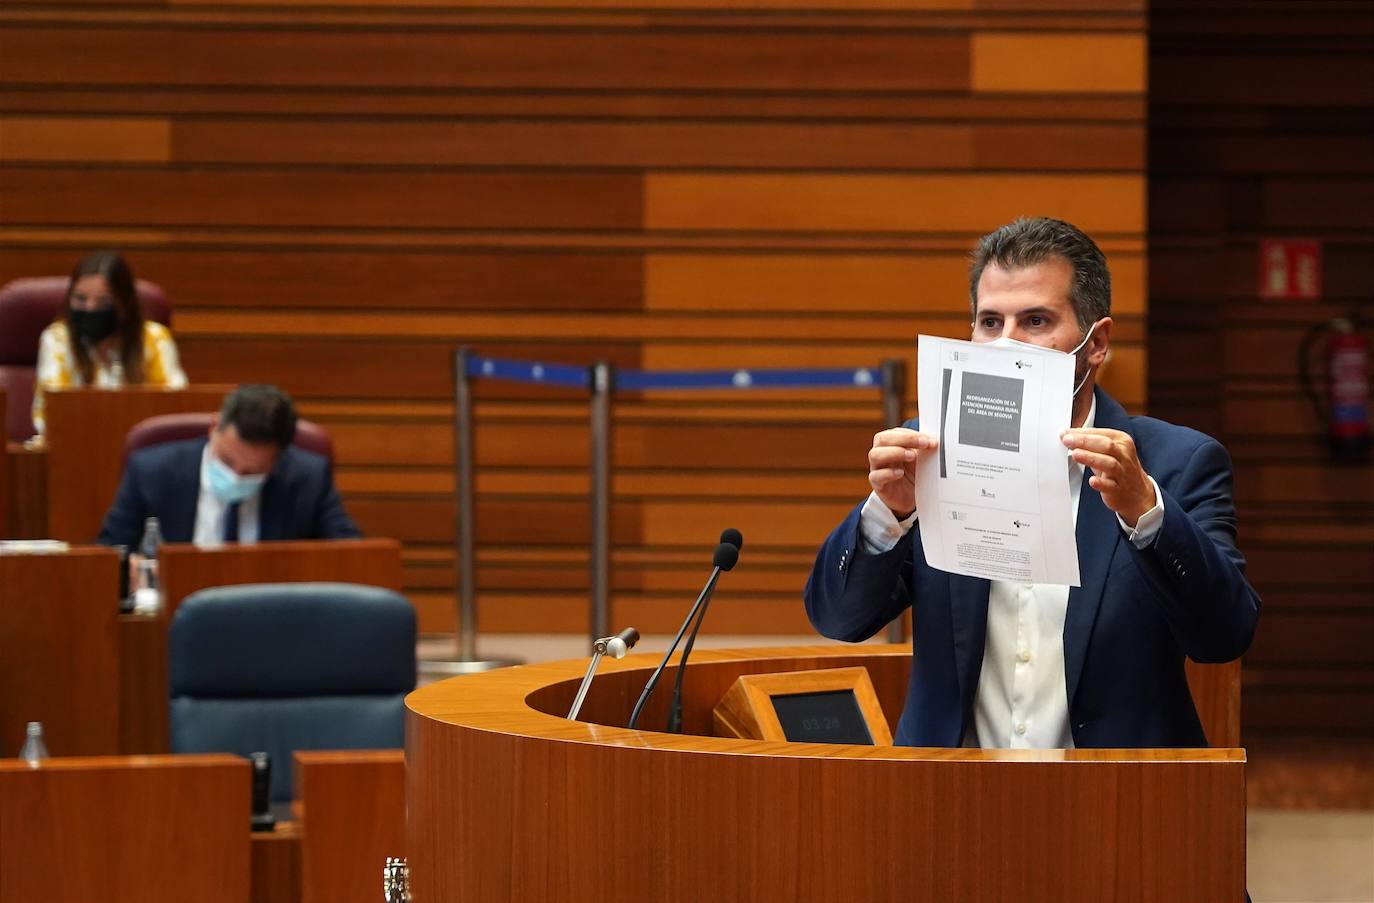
column 614, row 646
column 724, row 558
column 733, row 537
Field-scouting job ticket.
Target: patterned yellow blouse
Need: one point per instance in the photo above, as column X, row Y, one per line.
column 57, row 366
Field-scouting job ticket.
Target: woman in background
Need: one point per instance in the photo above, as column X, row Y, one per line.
column 103, row 339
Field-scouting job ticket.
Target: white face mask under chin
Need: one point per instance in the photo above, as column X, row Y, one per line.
column 1005, row 342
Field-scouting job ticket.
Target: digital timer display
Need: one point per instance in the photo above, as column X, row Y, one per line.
column 832, row 716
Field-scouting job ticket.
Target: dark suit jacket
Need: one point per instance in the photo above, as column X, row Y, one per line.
column 1138, row 613
column 299, row 500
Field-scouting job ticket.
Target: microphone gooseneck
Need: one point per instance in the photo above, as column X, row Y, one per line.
column 725, row 557
column 614, row 646
column 731, row 541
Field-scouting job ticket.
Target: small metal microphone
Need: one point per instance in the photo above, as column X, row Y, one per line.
column 614, row 646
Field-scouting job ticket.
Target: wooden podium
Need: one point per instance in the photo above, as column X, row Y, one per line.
column 508, row 800
column 85, row 445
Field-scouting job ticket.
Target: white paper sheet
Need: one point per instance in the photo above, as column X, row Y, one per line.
column 994, row 499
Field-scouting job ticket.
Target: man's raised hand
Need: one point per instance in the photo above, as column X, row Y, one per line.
column 892, row 467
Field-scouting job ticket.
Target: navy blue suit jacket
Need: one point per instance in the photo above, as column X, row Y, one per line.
column 299, row 500
column 1128, row 628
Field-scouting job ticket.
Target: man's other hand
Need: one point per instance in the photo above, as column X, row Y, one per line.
column 1117, row 474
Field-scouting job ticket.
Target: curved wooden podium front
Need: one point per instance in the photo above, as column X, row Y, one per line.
column 509, row 801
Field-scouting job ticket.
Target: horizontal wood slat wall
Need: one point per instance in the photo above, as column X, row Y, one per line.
column 1262, row 126
column 335, row 195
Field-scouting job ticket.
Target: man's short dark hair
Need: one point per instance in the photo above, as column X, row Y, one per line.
column 260, row 414
column 1027, row 242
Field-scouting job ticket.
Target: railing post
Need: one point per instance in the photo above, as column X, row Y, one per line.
column 602, row 386
column 465, row 530
column 894, row 413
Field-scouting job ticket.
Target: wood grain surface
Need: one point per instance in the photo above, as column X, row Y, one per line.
column 59, row 650
column 508, row 801
column 353, row 818
column 336, row 195
column 4, row 472
column 157, row 829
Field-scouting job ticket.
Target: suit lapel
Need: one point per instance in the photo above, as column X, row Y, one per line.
column 1098, row 534
column 271, row 515
column 185, row 496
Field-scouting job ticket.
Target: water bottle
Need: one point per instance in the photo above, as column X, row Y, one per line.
column 148, row 595
column 34, row 750
column 396, row 880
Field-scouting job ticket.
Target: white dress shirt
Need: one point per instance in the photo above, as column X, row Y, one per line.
column 211, row 511
column 1022, row 699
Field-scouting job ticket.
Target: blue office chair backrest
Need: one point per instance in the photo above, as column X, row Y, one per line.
column 277, row 667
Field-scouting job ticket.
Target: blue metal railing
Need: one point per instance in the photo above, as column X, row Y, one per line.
column 602, row 381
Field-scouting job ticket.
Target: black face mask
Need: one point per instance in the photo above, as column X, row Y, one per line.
column 95, row 326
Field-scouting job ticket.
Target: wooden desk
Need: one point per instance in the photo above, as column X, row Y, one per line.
column 507, row 800
column 4, row 471
column 85, row 441
column 277, row 864
column 349, row 816
column 23, row 488
column 59, row 650
column 184, row 569
column 28, row 488
column 353, row 812
column 156, row 829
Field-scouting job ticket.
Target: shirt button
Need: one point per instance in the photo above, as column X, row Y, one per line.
column 1025, row 655
column 1020, row 728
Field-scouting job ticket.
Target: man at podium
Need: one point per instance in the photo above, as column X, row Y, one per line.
column 1005, row 664
column 243, row 482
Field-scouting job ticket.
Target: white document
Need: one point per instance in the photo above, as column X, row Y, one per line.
column 994, row 499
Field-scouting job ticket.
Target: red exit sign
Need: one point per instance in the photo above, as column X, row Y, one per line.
column 1290, row 269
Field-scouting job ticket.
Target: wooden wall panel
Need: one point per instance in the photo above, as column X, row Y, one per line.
column 742, row 58
column 1262, row 126
column 53, row 138
column 866, row 203
column 335, row 195
column 281, row 196
column 1068, row 64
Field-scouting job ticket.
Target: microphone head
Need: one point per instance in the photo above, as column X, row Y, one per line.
column 622, row 642
column 733, row 537
column 726, row 556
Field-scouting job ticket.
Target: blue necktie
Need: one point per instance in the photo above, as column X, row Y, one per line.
column 231, row 523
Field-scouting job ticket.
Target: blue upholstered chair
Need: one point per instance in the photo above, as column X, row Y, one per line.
column 277, row 667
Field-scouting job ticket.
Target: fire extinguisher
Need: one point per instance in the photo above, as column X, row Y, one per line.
column 1344, row 405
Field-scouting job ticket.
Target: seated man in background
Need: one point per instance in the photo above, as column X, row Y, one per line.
column 245, row 482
